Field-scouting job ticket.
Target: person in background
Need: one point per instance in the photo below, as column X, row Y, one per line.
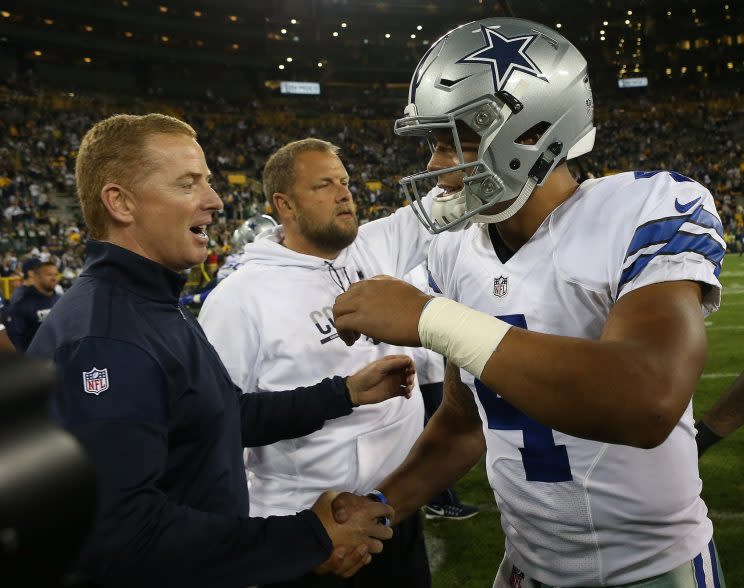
column 271, row 324
column 29, row 307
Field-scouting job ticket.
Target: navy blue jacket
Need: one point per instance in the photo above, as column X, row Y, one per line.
column 149, row 399
column 25, row 313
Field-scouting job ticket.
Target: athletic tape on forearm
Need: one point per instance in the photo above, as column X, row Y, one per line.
column 464, row 336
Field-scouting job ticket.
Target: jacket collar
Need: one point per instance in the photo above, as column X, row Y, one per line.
column 139, row 275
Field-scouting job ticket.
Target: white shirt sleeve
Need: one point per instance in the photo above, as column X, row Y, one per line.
column 677, row 236
column 400, row 238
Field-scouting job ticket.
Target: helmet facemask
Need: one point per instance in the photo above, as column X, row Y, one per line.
column 549, row 103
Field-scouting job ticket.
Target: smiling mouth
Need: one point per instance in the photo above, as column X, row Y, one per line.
column 449, row 189
column 199, row 230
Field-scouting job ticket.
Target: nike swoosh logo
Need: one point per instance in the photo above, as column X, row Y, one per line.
column 684, row 207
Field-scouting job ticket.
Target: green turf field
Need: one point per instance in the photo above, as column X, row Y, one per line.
column 467, row 553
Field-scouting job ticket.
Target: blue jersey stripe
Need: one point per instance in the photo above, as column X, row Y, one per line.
column 433, row 284
column 714, row 564
column 676, row 176
column 663, row 229
column 699, row 571
column 704, row 245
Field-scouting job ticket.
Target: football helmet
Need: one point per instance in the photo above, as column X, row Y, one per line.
column 249, row 230
column 523, row 88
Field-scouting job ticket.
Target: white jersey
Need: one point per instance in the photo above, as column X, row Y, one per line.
column 577, row 512
column 272, row 324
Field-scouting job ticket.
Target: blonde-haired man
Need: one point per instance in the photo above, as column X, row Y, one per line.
column 271, row 323
column 150, row 401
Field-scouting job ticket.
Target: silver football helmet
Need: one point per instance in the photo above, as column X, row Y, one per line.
column 513, row 82
column 249, row 230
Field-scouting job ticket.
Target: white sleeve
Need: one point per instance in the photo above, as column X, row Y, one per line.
column 677, row 236
column 233, row 333
column 429, row 364
column 400, row 237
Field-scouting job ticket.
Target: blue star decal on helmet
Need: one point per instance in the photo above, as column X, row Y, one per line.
column 505, row 56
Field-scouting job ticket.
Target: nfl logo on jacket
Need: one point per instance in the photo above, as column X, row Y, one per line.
column 95, row 381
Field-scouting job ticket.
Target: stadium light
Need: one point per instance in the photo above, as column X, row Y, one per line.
column 335, row 33
column 343, row 25
column 605, row 23
column 320, row 64
column 413, row 36
column 281, row 66
column 293, row 21
column 630, row 13
column 558, row 25
column 387, row 35
column 284, row 31
column 289, row 60
column 419, row 27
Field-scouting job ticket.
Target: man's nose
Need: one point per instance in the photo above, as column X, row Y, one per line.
column 438, row 161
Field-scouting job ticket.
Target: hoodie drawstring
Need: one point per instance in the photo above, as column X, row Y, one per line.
column 336, row 277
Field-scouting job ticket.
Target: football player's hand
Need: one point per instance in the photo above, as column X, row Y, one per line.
column 362, row 526
column 384, row 378
column 384, row 308
column 345, row 562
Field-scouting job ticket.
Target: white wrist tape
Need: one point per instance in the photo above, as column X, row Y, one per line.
column 465, row 336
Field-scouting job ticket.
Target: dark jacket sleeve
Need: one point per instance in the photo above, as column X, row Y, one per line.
column 141, row 536
column 15, row 323
column 267, row 417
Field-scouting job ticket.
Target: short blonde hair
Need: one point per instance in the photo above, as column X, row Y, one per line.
column 279, row 174
column 113, row 150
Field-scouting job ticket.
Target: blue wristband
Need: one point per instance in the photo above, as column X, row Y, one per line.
column 380, row 497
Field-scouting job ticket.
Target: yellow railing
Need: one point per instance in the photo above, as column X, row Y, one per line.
column 7, row 285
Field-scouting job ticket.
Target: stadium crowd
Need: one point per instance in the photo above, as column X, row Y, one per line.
column 40, row 132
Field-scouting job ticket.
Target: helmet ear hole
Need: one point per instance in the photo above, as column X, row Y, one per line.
column 532, row 135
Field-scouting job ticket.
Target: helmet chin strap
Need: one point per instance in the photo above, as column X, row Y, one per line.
column 513, row 208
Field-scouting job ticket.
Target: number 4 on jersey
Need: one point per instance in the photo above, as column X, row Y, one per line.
column 543, row 460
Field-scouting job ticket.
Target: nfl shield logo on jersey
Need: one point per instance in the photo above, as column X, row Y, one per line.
column 95, row 381
column 500, row 286
column 517, row 576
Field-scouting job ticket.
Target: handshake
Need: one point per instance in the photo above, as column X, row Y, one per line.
column 357, row 525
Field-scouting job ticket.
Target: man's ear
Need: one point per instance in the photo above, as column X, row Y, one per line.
column 119, row 203
column 283, row 205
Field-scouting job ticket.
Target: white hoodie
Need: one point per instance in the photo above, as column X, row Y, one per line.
column 272, row 324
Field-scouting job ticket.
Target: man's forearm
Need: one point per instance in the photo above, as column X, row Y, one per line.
column 440, row 456
column 727, row 414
